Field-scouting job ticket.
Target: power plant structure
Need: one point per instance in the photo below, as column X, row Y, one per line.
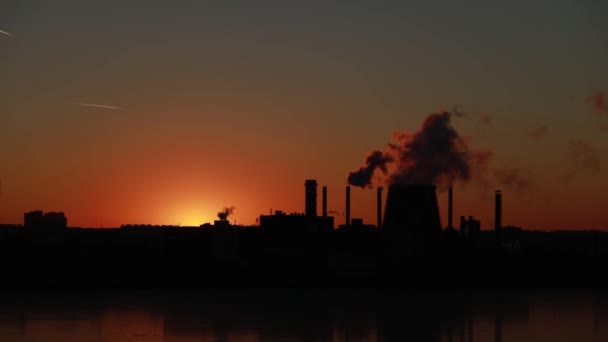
column 303, row 222
column 412, row 208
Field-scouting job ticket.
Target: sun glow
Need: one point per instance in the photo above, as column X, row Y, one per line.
column 193, row 218
column 192, row 214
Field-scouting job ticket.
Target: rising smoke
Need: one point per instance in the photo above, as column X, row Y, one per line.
column 436, row 154
column 225, row 213
column 582, row 155
column 515, row 178
column 363, row 176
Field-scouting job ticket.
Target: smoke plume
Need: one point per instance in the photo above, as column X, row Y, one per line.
column 363, row 176
column 583, row 156
column 436, row 154
column 538, row 132
column 225, row 213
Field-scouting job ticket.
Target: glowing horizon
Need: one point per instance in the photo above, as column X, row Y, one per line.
column 167, row 113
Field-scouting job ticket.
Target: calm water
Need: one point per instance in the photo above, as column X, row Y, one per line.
column 305, row 315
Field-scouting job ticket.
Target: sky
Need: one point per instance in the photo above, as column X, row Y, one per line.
column 164, row 112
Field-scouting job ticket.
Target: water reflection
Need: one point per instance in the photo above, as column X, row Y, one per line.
column 304, row 315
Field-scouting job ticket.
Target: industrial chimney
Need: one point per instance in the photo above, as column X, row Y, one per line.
column 310, row 200
column 498, row 215
column 379, row 206
column 412, row 208
column 347, row 211
column 324, row 201
column 450, row 208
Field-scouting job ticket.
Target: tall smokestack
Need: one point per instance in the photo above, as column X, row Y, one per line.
column 498, row 214
column 324, row 201
column 347, row 205
column 310, row 198
column 379, row 208
column 450, row 208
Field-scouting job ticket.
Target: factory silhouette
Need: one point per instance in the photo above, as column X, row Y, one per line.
column 406, row 247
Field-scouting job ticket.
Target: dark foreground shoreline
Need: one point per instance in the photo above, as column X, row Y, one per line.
column 159, row 259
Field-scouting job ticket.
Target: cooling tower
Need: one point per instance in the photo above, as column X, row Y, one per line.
column 412, row 208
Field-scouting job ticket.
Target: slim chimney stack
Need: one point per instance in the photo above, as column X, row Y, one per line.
column 498, row 215
column 324, row 201
column 310, row 197
column 347, row 205
column 379, row 208
column 450, row 208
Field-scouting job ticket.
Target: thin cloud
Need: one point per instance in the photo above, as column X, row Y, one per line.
column 483, row 118
column 458, row 112
column 93, row 105
column 538, row 132
column 6, row 33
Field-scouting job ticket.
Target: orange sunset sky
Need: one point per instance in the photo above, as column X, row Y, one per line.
column 235, row 103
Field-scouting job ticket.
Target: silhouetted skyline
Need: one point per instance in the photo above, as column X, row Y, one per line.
column 163, row 112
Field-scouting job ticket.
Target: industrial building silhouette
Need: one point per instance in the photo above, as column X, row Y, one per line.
column 406, row 246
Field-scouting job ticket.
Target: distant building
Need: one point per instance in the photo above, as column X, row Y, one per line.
column 357, row 224
column 296, row 222
column 221, row 223
column 470, row 228
column 38, row 219
column 33, row 219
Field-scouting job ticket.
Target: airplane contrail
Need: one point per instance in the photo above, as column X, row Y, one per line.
column 6, row 33
column 98, row 106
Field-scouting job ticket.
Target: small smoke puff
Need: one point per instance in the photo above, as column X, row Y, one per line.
column 458, row 112
column 598, row 101
column 486, row 119
column 518, row 179
column 227, row 211
column 375, row 160
column 538, row 132
column 583, row 156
